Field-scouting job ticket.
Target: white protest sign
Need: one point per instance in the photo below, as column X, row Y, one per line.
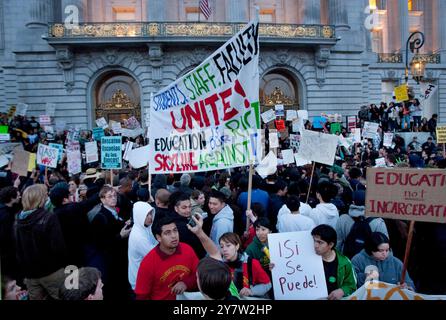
column 370, row 129
column 192, row 121
column 297, row 125
column 139, row 157
column 44, row 120
column 288, row 156
column 268, row 165
column 268, row 116
column 102, row 123
column 291, row 115
column 74, row 161
column 302, row 114
column 132, row 133
column 127, row 148
column 380, row 162
column 50, row 109
column 4, row 161
column 388, row 138
column 356, row 135
column 273, row 140
column 294, row 142
column 298, row 273
column 427, row 90
column 318, row 147
column 22, row 109
column 300, row 161
column 60, row 125
column 132, row 123
column 47, row 156
column 5, row 137
column 116, row 127
column 91, row 152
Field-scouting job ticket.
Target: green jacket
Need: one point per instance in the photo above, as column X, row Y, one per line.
column 255, row 251
column 346, row 279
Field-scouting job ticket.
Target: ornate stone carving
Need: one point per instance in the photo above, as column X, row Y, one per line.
column 65, row 62
column 156, row 61
column 119, row 103
column 278, row 97
column 110, row 56
column 322, row 56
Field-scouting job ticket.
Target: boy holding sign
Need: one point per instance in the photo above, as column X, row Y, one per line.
column 339, row 275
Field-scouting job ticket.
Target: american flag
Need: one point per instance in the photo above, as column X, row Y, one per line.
column 205, row 8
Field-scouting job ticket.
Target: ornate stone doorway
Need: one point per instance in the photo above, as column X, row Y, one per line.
column 117, row 97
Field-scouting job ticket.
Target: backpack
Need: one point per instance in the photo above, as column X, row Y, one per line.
column 356, row 238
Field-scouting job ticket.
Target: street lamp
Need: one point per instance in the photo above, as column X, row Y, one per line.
column 417, row 65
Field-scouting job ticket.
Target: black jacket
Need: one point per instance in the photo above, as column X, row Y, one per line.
column 40, row 244
column 75, row 227
column 7, row 244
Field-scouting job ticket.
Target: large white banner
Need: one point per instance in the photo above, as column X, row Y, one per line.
column 298, row 272
column 318, row 147
column 209, row 118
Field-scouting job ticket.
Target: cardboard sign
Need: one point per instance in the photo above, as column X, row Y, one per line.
column 441, row 133
column 91, row 151
column 111, row 154
column 401, row 93
column 288, row 156
column 139, row 157
column 318, row 147
column 268, row 116
column 298, row 273
column 47, row 156
column 388, row 138
column 291, row 115
column 102, row 123
column 20, row 162
column 370, row 129
column 406, row 194
column 280, row 110
column 32, row 161
column 98, row 133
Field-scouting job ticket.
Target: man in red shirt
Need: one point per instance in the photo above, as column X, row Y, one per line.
column 169, row 269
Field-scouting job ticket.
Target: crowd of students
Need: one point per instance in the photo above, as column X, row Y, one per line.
column 135, row 241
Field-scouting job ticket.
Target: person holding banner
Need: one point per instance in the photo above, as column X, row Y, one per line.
column 339, row 274
column 377, row 253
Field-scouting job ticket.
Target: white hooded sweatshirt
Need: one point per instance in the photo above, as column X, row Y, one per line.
column 325, row 213
column 141, row 239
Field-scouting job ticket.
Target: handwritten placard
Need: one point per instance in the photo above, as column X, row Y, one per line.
column 268, row 116
column 47, row 156
column 370, row 129
column 291, row 115
column 298, row 273
column 288, row 156
column 91, row 151
column 111, row 152
column 388, row 138
column 318, row 147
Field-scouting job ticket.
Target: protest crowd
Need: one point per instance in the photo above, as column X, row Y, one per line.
column 131, row 235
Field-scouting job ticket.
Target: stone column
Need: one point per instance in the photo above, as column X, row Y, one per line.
column 41, row 12
column 70, row 11
column 338, row 14
column 312, row 12
column 237, row 10
column 156, row 10
column 441, row 29
column 403, row 13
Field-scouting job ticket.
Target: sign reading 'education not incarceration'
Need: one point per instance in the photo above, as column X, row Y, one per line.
column 406, row 194
column 209, row 118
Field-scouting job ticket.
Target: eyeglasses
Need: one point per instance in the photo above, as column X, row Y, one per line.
column 111, row 196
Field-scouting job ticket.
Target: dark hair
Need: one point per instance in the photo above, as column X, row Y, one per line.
column 7, row 194
column 327, row 190
column 280, row 185
column 233, row 238
column 58, row 193
column 158, row 225
column 293, row 203
column 178, row 197
column 326, row 233
column 218, row 195
column 196, row 194
column 258, row 209
column 354, row 173
column 88, row 281
column 214, row 278
column 143, row 194
column 263, row 222
column 374, row 241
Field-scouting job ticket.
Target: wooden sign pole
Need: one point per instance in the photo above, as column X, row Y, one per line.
column 311, row 181
column 111, row 177
column 406, row 255
column 248, row 206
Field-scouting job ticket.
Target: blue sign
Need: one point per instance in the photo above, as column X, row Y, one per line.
column 59, row 147
column 98, row 133
column 111, row 152
column 318, row 122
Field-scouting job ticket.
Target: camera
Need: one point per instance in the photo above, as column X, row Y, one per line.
column 191, row 221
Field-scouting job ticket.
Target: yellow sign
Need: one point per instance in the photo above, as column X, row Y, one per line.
column 401, row 93
column 32, row 162
column 441, row 134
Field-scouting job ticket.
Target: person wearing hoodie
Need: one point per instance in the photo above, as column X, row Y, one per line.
column 325, row 212
column 223, row 220
column 141, row 239
column 377, row 253
column 40, row 245
column 293, row 220
column 356, row 210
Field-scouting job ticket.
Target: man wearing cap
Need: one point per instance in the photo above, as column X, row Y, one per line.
column 73, row 220
column 356, row 210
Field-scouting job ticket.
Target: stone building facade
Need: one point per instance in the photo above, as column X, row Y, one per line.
column 105, row 57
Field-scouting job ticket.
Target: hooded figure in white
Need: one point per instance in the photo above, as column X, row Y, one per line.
column 141, row 239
